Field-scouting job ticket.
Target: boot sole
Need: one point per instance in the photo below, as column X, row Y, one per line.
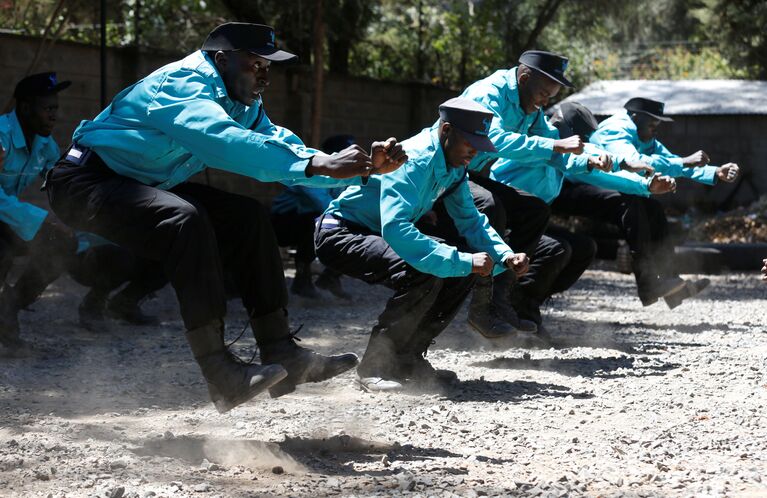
column 225, row 405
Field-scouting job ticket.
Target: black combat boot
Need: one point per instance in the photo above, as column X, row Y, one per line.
column 691, row 288
column 278, row 346
column 502, row 289
column 302, row 283
column 380, row 368
column 650, row 286
column 126, row 307
column 483, row 316
column 231, row 381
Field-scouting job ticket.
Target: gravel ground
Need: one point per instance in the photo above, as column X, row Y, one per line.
column 632, row 401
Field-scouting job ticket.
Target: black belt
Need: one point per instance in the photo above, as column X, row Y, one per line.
column 77, row 154
column 329, row 221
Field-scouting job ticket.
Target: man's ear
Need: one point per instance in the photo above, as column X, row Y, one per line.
column 221, row 59
column 523, row 79
column 444, row 129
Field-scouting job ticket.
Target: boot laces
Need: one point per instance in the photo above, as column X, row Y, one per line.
column 292, row 337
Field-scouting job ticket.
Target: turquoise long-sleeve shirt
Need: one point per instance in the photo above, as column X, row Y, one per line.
column 22, row 165
column 618, row 135
column 179, row 120
column 525, row 156
column 391, row 205
column 517, row 136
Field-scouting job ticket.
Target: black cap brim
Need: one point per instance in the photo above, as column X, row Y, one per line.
column 561, row 80
column 274, row 54
column 480, row 142
column 665, row 119
column 62, row 85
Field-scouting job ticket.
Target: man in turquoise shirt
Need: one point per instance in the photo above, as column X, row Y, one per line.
column 633, row 134
column 640, row 219
column 369, row 233
column 522, row 135
column 27, row 151
column 125, row 176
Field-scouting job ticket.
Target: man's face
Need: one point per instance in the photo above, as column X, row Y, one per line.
column 647, row 126
column 535, row 90
column 39, row 114
column 458, row 151
column 245, row 75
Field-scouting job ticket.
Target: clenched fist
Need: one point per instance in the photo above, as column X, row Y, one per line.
column 569, row 145
column 387, row 156
column 482, row 263
column 661, row 184
column 603, row 162
column 728, row 172
column 519, row 263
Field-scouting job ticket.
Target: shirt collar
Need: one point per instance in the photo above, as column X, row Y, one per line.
column 17, row 134
column 513, row 90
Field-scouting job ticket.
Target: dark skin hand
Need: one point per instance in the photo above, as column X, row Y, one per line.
column 696, row 159
column 603, row 162
column 661, row 184
column 637, row 167
column 519, row 263
column 728, row 172
column 246, row 77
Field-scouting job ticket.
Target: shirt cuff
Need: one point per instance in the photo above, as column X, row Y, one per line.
column 465, row 264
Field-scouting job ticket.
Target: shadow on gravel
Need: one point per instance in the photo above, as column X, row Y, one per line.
column 333, row 456
column 604, row 368
column 506, row 391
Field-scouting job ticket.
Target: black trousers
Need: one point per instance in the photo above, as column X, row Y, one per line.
column 422, row 305
column 296, row 229
column 557, row 259
column 106, row 267
column 50, row 253
column 196, row 232
column 641, row 221
column 526, row 215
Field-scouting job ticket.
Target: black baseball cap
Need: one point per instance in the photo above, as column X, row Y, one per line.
column 255, row 38
column 39, row 85
column 647, row 106
column 471, row 119
column 551, row 65
column 577, row 120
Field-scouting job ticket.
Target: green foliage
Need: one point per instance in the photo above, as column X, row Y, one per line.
column 444, row 42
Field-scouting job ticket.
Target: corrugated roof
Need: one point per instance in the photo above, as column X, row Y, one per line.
column 681, row 97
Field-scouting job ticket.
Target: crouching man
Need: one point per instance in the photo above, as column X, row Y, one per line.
column 125, row 179
column 368, row 233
